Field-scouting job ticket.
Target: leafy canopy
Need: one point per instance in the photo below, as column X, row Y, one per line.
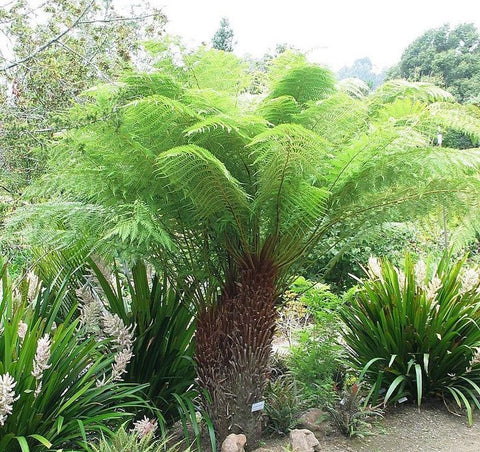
column 211, row 180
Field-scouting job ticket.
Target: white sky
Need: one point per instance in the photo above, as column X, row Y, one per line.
column 335, row 32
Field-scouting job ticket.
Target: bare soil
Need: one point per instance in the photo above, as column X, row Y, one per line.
column 406, row 429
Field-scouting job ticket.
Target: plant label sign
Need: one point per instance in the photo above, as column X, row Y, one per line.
column 258, row 406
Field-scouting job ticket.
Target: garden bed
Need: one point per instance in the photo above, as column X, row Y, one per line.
column 405, row 428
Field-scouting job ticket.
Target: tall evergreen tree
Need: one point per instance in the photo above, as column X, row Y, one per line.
column 223, row 37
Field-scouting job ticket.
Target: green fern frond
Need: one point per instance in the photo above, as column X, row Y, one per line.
column 354, row 87
column 338, row 119
column 244, row 127
column 217, row 70
column 203, row 186
column 418, row 91
column 279, row 110
column 305, row 83
column 404, row 111
column 138, row 85
column 465, row 119
column 209, row 101
column 148, row 114
column 137, row 224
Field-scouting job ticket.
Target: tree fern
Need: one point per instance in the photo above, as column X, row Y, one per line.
column 182, row 173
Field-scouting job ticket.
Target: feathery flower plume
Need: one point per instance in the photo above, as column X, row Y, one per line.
column 114, row 327
column 420, row 273
column 91, row 311
column 470, row 280
column 433, row 287
column 7, row 396
column 145, row 427
column 122, row 336
column 22, row 331
column 40, row 362
column 33, row 286
column 374, row 267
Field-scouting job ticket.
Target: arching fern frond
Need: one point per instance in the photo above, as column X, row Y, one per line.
column 465, row 119
column 202, row 188
column 137, row 224
column 305, row 83
column 208, row 101
column 419, row 91
column 287, row 157
column 337, row 119
column 138, row 85
column 354, row 87
column 279, row 110
column 157, row 122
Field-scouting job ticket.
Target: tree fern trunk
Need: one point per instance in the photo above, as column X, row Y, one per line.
column 233, row 346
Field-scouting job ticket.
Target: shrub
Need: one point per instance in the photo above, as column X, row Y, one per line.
column 350, row 415
column 416, row 335
column 315, row 360
column 163, row 321
column 56, row 382
column 282, row 404
column 123, row 441
column 162, row 317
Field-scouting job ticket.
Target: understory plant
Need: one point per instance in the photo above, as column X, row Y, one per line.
column 350, row 415
column 315, row 359
column 414, row 333
column 131, row 441
column 283, row 404
column 56, row 382
column 162, row 319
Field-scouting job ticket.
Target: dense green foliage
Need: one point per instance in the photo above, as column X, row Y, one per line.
column 283, row 404
column 122, row 441
column 450, row 57
column 315, row 359
column 63, row 389
column 415, row 333
column 163, row 322
column 50, row 54
column 230, row 193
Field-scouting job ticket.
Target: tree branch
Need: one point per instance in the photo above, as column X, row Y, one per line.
column 116, row 19
column 52, row 41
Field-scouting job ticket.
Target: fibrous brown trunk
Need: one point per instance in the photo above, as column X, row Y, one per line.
column 233, row 346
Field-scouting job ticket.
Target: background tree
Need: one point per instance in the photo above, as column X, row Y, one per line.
column 223, row 37
column 233, row 193
column 450, row 57
column 50, row 54
column 362, row 68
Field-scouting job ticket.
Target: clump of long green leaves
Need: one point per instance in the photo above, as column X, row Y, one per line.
column 415, row 335
column 162, row 317
column 163, row 324
column 55, row 379
column 124, row 441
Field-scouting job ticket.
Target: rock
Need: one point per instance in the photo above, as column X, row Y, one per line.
column 234, row 443
column 303, row 440
column 312, row 420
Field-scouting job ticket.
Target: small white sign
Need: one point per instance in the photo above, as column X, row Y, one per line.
column 258, row 406
column 403, row 399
